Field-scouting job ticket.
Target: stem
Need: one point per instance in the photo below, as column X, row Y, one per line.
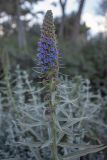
column 54, row 145
column 53, row 125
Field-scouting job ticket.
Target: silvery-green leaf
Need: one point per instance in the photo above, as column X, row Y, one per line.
column 34, row 145
column 84, row 152
column 47, row 143
column 57, row 124
column 53, row 97
column 60, row 136
column 72, row 122
column 79, row 146
column 35, row 153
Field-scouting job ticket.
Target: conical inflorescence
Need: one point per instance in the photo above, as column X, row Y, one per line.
column 48, row 53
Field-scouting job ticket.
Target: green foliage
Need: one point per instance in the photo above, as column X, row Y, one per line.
column 86, row 58
column 73, row 58
column 95, row 54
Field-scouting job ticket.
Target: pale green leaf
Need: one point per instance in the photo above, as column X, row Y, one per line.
column 84, row 152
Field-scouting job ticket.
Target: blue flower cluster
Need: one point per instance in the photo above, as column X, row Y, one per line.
column 47, row 54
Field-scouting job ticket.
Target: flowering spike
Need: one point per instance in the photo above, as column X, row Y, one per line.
column 48, row 53
column 48, row 62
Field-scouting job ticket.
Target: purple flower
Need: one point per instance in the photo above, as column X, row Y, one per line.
column 39, row 43
column 47, row 55
column 52, row 49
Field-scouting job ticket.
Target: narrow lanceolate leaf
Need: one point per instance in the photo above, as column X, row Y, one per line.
column 77, row 146
column 72, row 122
column 34, row 145
column 84, row 152
column 47, row 143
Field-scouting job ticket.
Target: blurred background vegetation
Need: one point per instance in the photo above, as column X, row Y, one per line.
column 83, row 54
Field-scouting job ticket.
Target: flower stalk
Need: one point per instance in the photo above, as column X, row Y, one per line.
column 48, row 63
column 53, row 126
